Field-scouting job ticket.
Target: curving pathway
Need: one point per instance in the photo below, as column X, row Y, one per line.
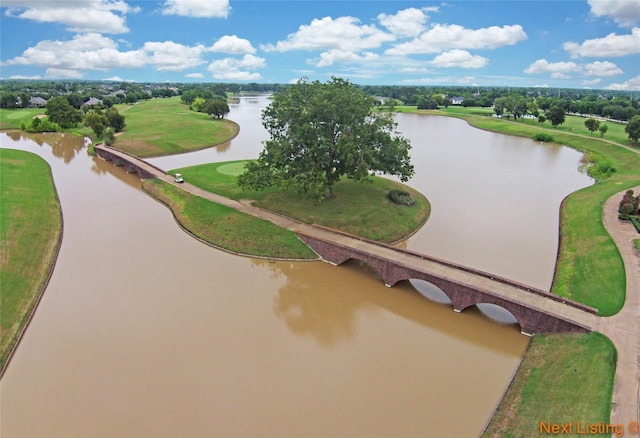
column 624, row 327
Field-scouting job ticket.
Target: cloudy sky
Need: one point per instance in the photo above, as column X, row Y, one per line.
column 554, row 43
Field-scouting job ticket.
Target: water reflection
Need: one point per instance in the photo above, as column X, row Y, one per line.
column 325, row 303
column 64, row 146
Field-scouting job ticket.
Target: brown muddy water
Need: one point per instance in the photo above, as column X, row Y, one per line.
column 144, row 331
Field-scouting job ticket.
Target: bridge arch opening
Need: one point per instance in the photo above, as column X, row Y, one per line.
column 430, row 291
column 497, row 313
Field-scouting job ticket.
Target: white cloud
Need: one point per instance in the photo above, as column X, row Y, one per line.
column 414, row 70
column 462, row 80
column 25, row 77
column 171, row 56
column 624, row 12
column 459, row 58
column 104, row 16
column 90, row 51
column 194, row 75
column 632, row 84
column 406, row 23
column 60, row 73
column 344, row 33
column 557, row 70
column 611, row 45
column 562, row 70
column 118, row 79
column 233, row 44
column 237, row 69
column 443, row 37
column 590, row 82
column 334, row 55
column 197, row 8
column 602, row 68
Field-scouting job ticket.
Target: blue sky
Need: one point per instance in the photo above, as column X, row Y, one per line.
column 553, row 43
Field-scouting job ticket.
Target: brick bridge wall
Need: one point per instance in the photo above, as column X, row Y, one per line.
column 129, row 166
column 462, row 296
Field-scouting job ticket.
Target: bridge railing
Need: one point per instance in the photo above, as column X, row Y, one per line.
column 112, row 150
column 496, row 278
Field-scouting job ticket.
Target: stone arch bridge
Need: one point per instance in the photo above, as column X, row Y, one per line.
column 537, row 311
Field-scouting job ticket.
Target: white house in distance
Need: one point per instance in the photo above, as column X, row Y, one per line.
column 92, row 102
column 457, row 100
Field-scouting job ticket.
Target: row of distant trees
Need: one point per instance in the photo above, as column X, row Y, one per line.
column 614, row 104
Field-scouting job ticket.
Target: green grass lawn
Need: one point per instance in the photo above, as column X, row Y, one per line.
column 167, row 126
column 227, row 228
column 563, row 378
column 30, row 235
column 12, row 118
column 362, row 209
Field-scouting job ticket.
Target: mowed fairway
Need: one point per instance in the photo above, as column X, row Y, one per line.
column 167, row 126
column 30, row 235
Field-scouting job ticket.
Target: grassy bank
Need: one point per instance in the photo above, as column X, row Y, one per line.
column 362, row 209
column 589, row 268
column 227, row 228
column 31, row 230
column 562, row 379
column 167, row 126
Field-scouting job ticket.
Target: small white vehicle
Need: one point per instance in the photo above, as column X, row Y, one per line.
column 178, row 178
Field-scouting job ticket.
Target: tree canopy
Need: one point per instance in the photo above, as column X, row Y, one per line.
column 633, row 129
column 555, row 114
column 320, row 132
column 60, row 111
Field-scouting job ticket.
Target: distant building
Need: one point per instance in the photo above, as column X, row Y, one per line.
column 37, row 102
column 92, row 102
column 457, row 100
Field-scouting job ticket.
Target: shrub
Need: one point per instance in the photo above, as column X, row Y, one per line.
column 543, row 136
column 40, row 125
column 402, row 198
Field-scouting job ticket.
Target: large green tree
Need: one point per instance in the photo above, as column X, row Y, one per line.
column 320, row 132
column 60, row 111
column 633, row 129
column 555, row 115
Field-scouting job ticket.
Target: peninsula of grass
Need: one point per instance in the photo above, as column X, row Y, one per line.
column 563, row 378
column 167, row 126
column 359, row 208
column 30, row 237
column 227, row 228
column 589, row 268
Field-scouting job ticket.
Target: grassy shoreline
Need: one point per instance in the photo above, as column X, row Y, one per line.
column 562, row 378
column 226, row 228
column 31, row 224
